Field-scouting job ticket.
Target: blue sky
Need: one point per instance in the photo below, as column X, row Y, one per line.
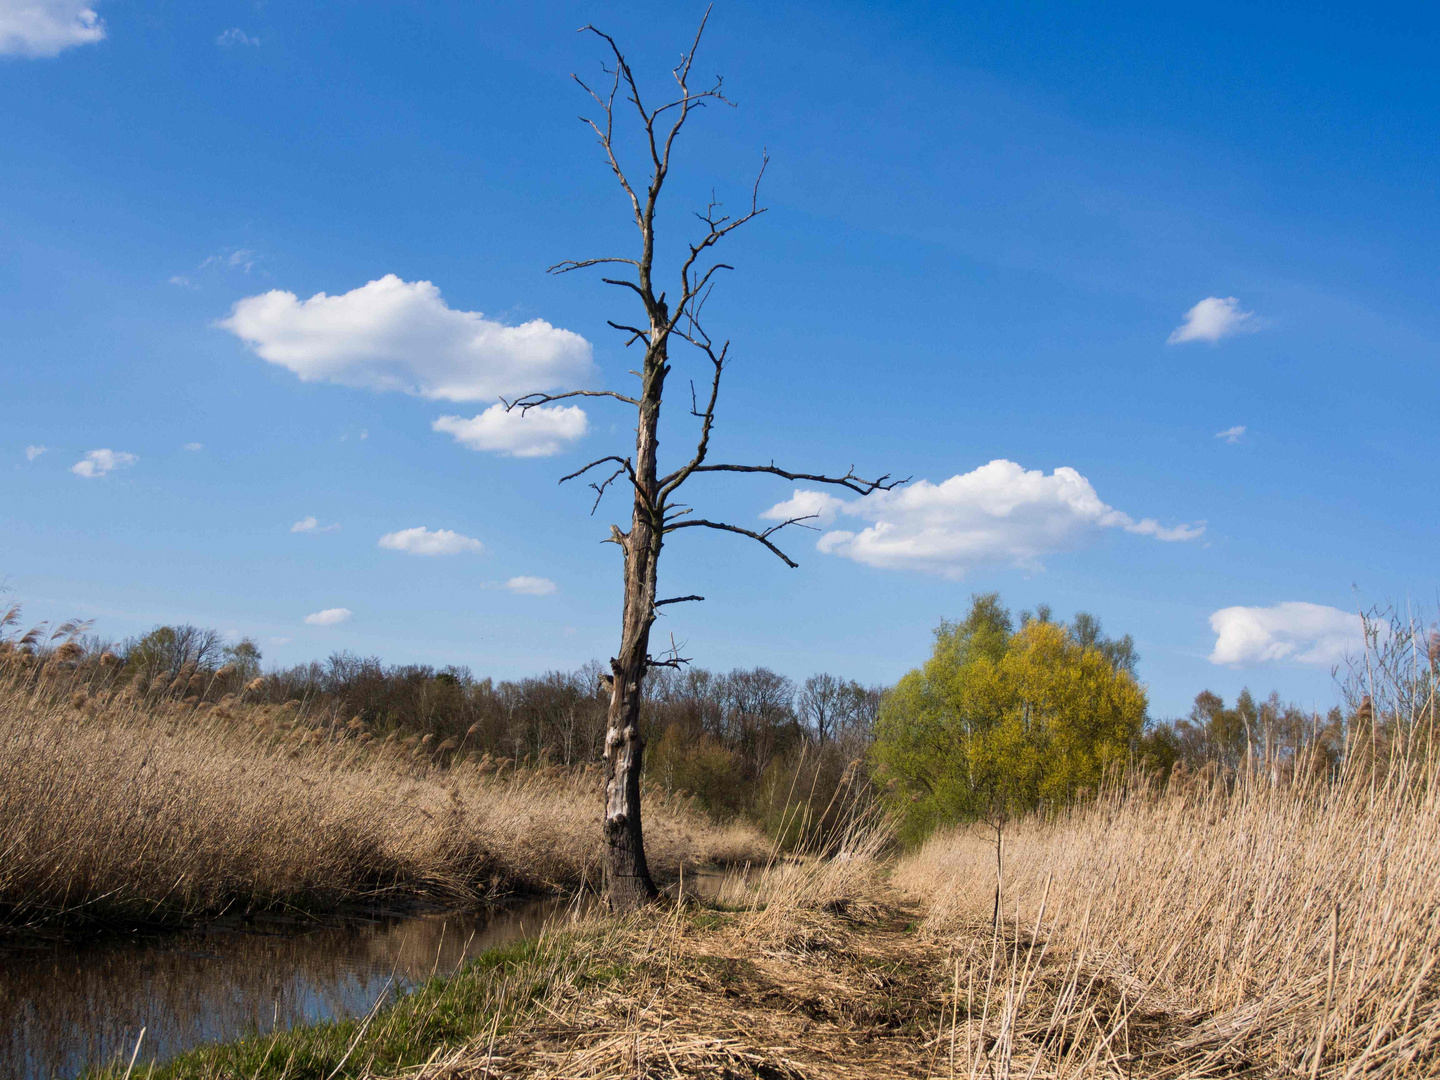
column 986, row 227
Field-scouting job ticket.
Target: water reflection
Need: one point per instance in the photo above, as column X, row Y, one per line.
column 63, row 1007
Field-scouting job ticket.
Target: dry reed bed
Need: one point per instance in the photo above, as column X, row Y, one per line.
column 1214, row 928
column 116, row 808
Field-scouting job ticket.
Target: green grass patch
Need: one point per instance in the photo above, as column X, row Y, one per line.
column 492, row 992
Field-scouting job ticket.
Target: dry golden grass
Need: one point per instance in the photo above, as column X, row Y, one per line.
column 1291, row 928
column 114, row 807
column 816, row 976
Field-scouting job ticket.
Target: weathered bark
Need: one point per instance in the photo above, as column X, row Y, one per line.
column 629, row 884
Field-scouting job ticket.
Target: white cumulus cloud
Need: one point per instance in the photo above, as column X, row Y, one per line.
column 47, row 27
column 312, row 524
column 998, row 514
column 1231, row 435
column 421, row 541
column 538, row 432
column 531, row 586
column 397, row 335
column 1212, row 319
column 1294, row 630
column 33, row 452
column 329, row 617
column 819, row 506
column 99, row 462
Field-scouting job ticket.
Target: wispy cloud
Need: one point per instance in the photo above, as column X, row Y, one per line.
column 98, row 463
column 998, row 514
column 239, row 259
column 1212, row 319
column 312, row 525
column 194, row 447
column 531, row 586
column 1231, row 434
column 235, row 36
column 1296, row 631
column 329, row 617
column 421, row 541
column 47, row 27
column 33, row 452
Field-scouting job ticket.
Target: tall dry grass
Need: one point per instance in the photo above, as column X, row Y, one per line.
column 117, row 807
column 1284, row 920
column 1291, row 924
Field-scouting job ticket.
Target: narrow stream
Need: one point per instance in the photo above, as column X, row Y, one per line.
column 64, row 1007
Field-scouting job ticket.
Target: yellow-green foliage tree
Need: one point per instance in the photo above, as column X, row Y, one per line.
column 1000, row 721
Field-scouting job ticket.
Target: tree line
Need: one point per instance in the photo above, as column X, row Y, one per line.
column 1008, row 715
column 729, row 739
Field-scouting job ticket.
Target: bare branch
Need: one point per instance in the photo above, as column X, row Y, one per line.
column 761, row 537
column 624, row 464
column 599, row 489
column 608, row 105
column 626, row 467
column 719, row 228
column 677, row 600
column 531, row 401
column 707, row 418
column 634, row 331
column 673, row 660
column 580, row 264
column 857, row 484
column 704, row 279
column 628, row 285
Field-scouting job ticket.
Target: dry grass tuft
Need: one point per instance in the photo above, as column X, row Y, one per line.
column 698, row 993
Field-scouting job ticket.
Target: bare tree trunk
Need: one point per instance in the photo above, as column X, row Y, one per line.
column 629, row 883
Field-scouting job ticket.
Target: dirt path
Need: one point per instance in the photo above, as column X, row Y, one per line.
column 838, row 994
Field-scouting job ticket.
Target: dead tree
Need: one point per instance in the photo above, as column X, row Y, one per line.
column 656, row 512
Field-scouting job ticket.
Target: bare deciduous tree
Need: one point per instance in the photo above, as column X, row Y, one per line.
column 822, row 699
column 656, row 512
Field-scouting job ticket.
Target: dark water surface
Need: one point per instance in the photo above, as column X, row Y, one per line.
column 65, row 1006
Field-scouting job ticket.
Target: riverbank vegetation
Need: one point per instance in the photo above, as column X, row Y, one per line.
column 1276, row 923
column 122, row 803
column 1259, row 901
column 723, row 988
column 167, row 777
